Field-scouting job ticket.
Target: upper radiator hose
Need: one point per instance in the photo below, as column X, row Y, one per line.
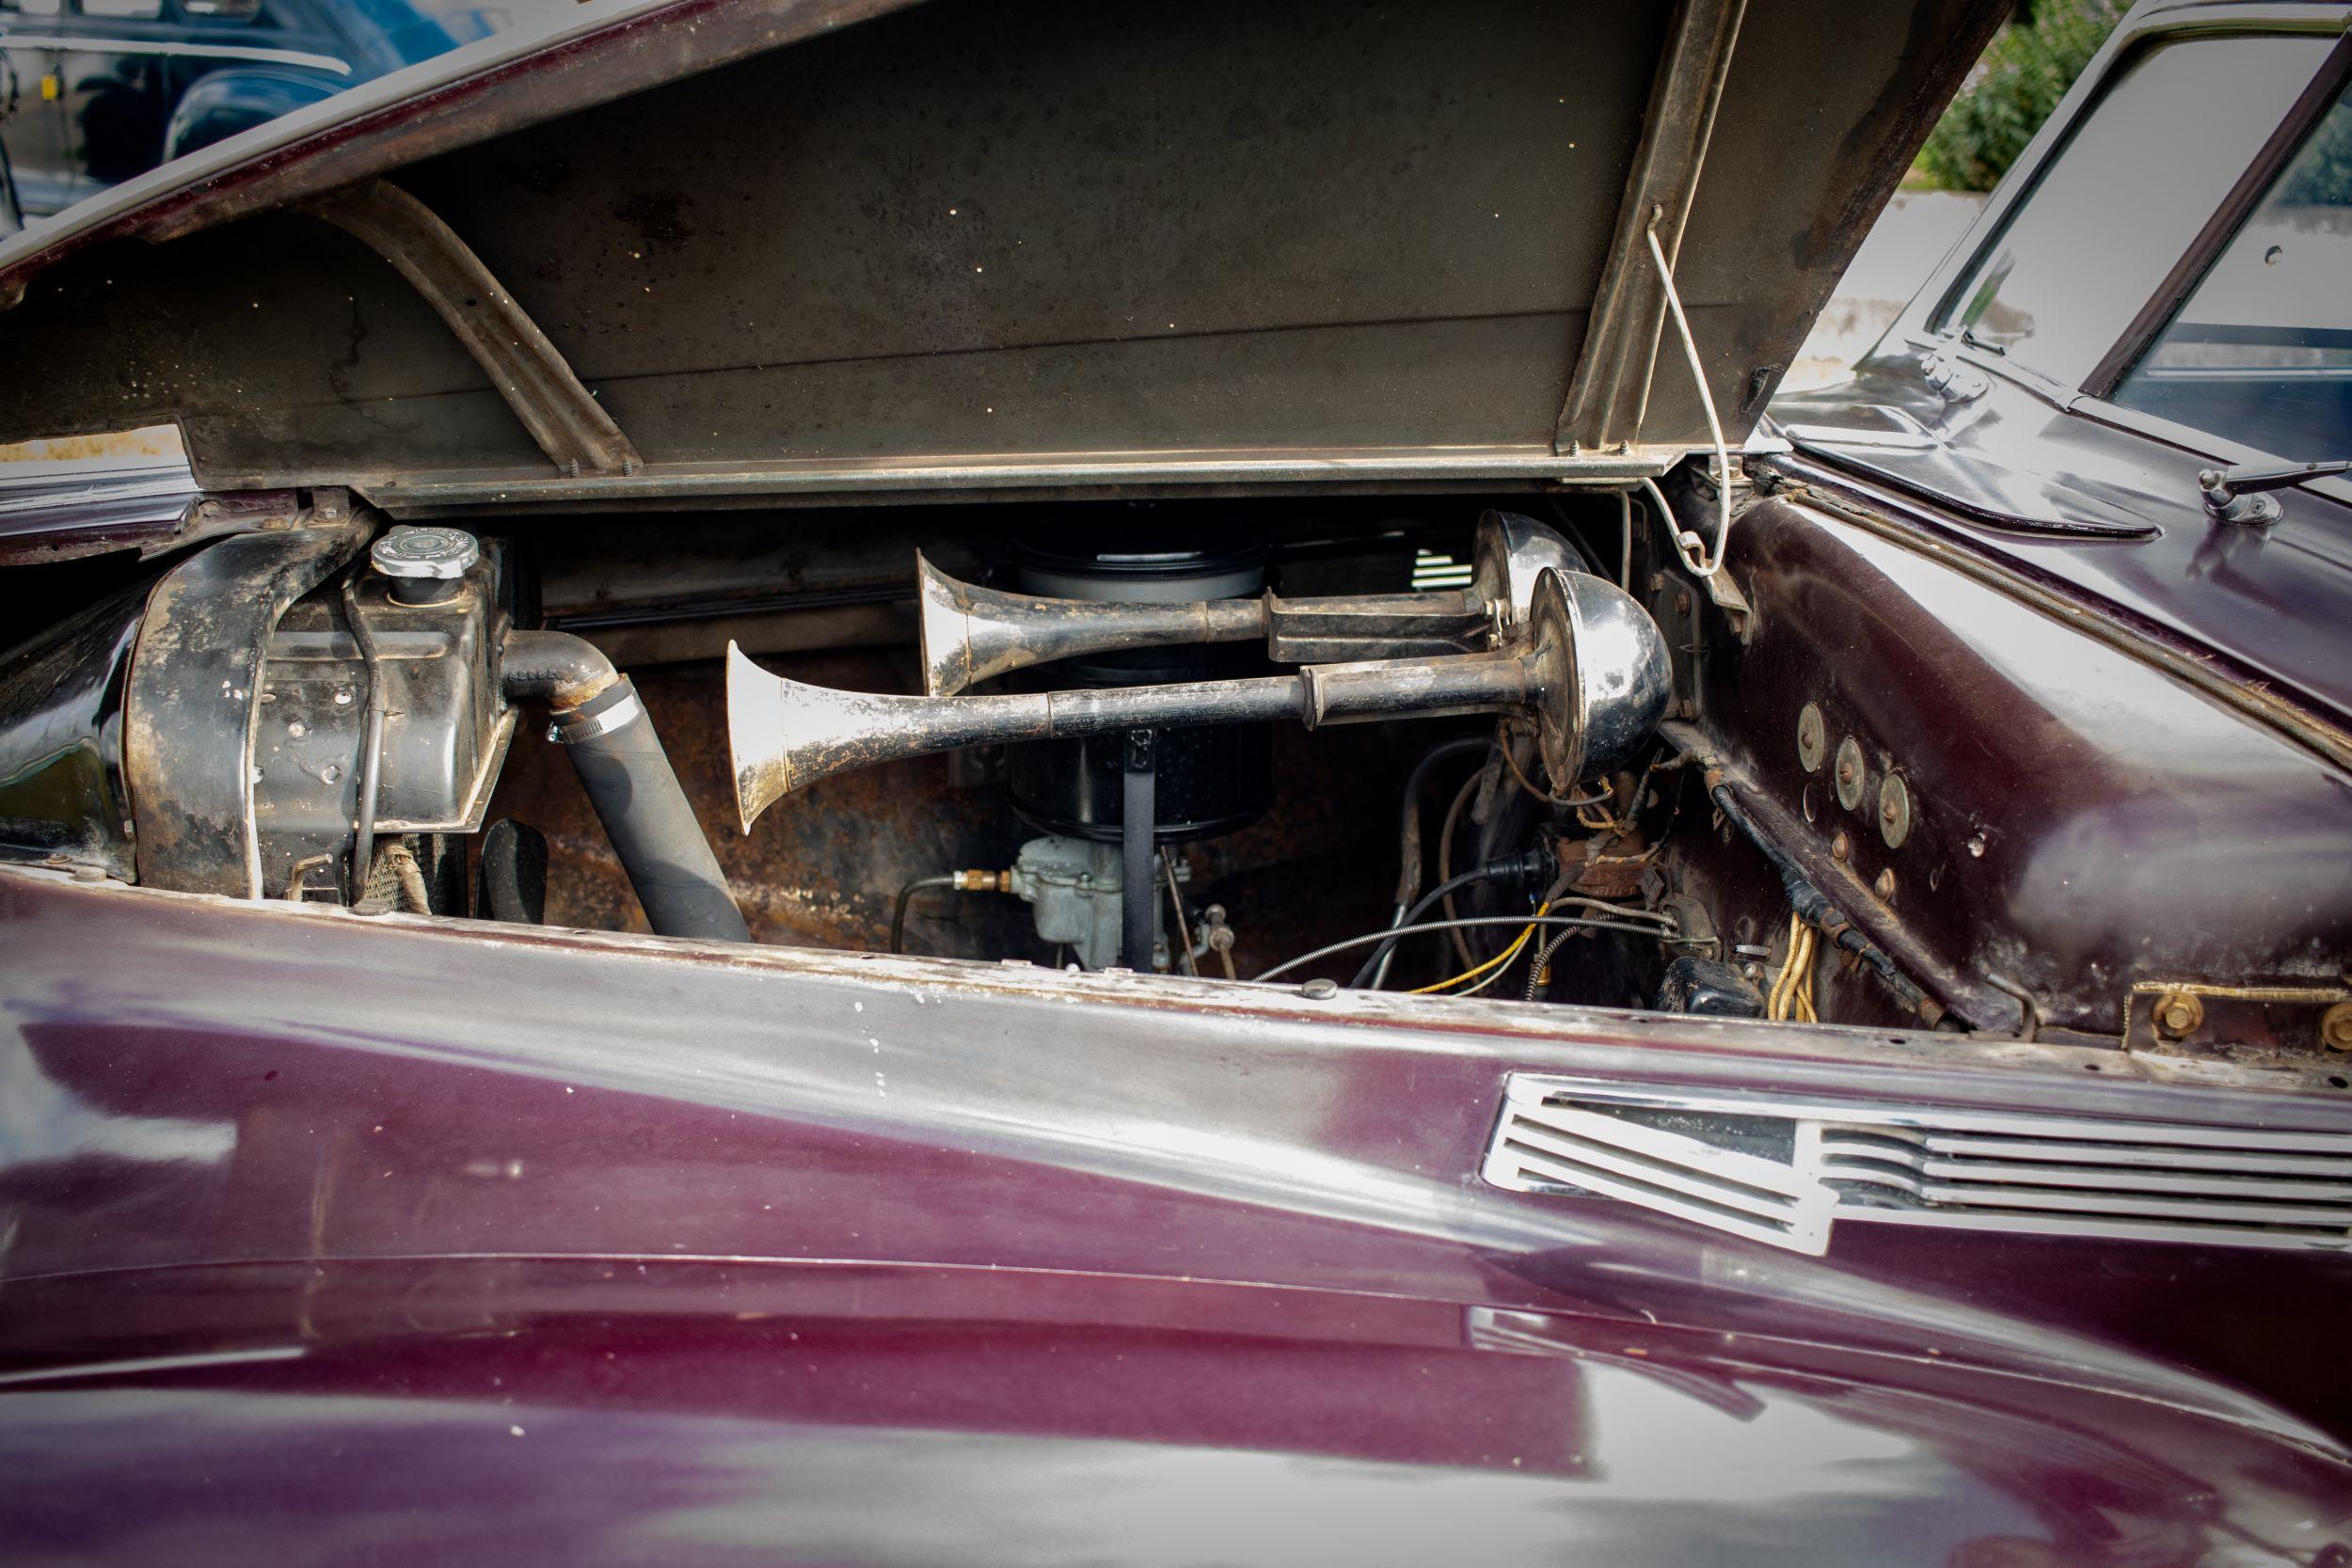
column 630, row 782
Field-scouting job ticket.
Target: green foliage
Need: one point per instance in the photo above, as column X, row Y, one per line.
column 2321, row 175
column 2026, row 70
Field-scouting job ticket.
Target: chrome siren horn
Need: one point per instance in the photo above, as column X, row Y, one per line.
column 970, row 633
column 1590, row 666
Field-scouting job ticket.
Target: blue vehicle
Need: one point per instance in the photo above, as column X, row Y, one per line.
column 93, row 92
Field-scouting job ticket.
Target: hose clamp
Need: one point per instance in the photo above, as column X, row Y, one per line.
column 596, row 718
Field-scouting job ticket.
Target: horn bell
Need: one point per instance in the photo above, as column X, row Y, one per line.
column 1509, row 555
column 970, row 633
column 783, row 736
column 1605, row 671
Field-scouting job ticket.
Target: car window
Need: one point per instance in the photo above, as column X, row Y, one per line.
column 2117, row 206
column 2261, row 352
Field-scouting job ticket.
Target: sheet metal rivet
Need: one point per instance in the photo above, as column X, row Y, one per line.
column 1319, row 991
column 1885, row 884
column 2335, row 1028
column 1812, row 738
column 1894, row 810
column 1840, row 846
column 2178, row 1015
column 1850, row 772
column 92, row 874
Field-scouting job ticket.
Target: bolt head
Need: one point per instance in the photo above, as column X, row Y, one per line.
column 2335, row 1028
column 2178, row 1014
column 1319, row 991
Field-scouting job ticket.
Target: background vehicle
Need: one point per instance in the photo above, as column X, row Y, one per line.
column 95, row 92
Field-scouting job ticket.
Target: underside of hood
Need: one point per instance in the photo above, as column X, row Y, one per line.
column 767, row 248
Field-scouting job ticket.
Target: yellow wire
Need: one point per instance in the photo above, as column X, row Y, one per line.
column 1502, row 957
column 1791, row 998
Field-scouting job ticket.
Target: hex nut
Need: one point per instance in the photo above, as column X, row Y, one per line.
column 1812, row 738
column 2335, row 1028
column 2178, row 1014
column 1851, row 772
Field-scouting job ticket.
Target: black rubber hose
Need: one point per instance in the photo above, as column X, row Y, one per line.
column 906, row 896
column 636, row 793
column 1451, row 884
column 564, row 669
column 1408, row 832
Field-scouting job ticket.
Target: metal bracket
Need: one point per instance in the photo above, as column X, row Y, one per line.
column 570, row 426
column 1609, row 391
column 194, row 697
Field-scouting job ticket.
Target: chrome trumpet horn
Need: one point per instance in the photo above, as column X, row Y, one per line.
column 1589, row 665
column 971, row 633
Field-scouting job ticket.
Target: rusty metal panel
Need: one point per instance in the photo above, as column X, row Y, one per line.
column 195, row 694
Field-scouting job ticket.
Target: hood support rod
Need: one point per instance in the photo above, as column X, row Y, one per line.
column 570, row 426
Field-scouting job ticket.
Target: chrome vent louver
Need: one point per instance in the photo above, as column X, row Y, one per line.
column 1782, row 1172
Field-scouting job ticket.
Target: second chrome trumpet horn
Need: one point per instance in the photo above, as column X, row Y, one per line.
column 1589, row 666
column 970, row 633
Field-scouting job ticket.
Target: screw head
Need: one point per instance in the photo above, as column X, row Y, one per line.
column 2335, row 1028
column 2178, row 1014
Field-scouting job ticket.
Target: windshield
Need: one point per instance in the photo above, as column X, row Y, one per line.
column 2122, row 199
column 2261, row 352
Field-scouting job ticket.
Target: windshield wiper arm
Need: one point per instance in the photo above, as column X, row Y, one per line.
column 2238, row 495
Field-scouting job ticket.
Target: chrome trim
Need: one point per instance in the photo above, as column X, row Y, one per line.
column 1540, row 1147
column 188, row 51
column 1924, row 1165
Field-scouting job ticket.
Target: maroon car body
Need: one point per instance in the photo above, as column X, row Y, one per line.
column 404, row 1237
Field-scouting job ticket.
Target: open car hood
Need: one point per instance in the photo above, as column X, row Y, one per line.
column 764, row 248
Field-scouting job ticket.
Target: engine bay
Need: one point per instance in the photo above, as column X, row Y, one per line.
column 1507, row 746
